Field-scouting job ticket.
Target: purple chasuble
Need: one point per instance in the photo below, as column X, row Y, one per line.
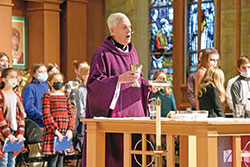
column 107, row 64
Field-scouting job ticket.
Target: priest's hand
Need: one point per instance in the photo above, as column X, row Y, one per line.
column 129, row 77
column 60, row 136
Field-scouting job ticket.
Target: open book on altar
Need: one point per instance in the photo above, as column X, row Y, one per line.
column 63, row 145
column 14, row 147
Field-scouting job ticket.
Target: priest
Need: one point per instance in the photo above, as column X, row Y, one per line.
column 109, row 91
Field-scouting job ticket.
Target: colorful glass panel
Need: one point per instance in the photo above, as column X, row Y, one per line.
column 163, row 62
column 207, row 24
column 156, row 3
column 193, row 28
column 161, row 26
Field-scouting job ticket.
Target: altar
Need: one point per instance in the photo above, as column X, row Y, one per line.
column 202, row 133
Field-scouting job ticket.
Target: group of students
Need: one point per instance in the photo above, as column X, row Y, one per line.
column 206, row 90
column 46, row 101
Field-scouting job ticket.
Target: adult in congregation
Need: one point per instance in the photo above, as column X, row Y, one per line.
column 109, row 92
column 240, row 92
column 240, row 89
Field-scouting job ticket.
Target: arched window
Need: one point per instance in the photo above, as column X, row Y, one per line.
column 161, row 36
column 199, row 36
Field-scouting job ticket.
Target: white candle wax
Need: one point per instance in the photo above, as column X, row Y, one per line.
column 158, row 125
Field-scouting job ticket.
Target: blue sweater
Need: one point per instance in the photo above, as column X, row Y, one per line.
column 167, row 102
column 32, row 95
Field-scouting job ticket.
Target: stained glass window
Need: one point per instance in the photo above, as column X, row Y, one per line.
column 161, row 35
column 207, row 24
column 207, row 29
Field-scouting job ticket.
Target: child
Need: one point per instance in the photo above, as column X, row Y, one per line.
column 81, row 96
column 211, row 92
column 209, row 58
column 4, row 62
column 71, row 86
column 11, row 115
column 166, row 95
column 35, row 87
column 58, row 119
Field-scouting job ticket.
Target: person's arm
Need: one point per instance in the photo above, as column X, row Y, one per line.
column 21, row 117
column 199, row 75
column 29, row 104
column 4, row 126
column 191, row 90
column 236, row 93
column 81, row 102
column 71, row 115
column 48, row 120
column 228, row 95
column 173, row 102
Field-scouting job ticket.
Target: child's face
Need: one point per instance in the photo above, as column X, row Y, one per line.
column 4, row 61
column 56, row 78
column 11, row 79
column 40, row 70
column 161, row 77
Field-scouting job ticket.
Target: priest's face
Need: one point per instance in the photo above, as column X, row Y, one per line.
column 121, row 32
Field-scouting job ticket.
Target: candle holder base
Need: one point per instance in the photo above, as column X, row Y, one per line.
column 158, row 156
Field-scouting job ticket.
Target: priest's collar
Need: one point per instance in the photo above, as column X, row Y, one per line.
column 124, row 48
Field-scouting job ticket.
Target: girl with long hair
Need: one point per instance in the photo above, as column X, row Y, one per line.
column 211, row 92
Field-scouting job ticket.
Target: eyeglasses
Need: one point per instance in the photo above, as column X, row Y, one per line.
column 124, row 27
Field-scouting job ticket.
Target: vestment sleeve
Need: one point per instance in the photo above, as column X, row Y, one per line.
column 100, row 86
column 71, row 115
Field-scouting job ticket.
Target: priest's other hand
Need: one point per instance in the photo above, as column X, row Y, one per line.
column 129, row 77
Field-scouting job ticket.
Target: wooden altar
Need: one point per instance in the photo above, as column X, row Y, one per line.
column 206, row 139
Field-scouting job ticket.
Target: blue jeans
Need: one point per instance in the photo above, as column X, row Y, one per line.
column 8, row 160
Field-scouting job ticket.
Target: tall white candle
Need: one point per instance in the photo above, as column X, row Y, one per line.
column 158, row 122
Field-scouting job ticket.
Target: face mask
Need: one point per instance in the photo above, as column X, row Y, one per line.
column 213, row 63
column 12, row 82
column 57, row 85
column 42, row 77
column 245, row 74
column 3, row 66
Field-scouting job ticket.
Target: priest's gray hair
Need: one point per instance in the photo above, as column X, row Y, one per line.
column 114, row 18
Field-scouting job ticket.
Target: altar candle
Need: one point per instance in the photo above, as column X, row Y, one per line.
column 158, row 122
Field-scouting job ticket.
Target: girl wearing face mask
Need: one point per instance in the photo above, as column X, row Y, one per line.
column 36, row 86
column 4, row 62
column 11, row 115
column 58, row 118
column 210, row 57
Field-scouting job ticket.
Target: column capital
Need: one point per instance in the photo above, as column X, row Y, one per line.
column 7, row 3
column 46, row 1
column 42, row 5
column 77, row 1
